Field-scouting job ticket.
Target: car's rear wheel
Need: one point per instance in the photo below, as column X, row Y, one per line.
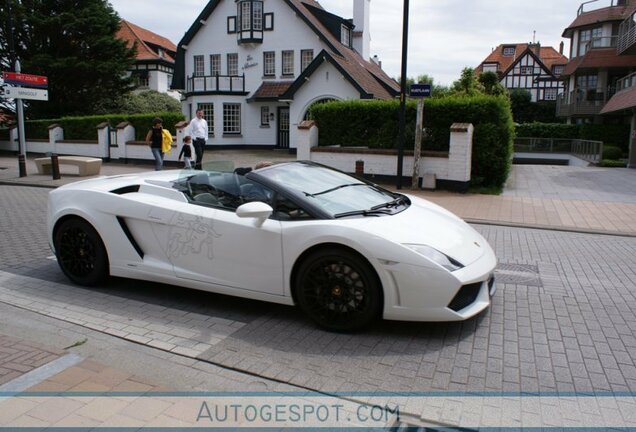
column 338, row 289
column 80, row 252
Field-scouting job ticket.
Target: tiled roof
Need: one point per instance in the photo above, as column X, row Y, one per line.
column 600, row 58
column 612, row 13
column 623, row 100
column 132, row 34
column 369, row 76
column 548, row 56
column 271, row 89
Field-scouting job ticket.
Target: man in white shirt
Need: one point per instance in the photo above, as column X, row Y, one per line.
column 199, row 133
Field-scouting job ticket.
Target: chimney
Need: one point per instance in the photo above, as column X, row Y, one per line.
column 361, row 34
column 561, row 48
column 376, row 60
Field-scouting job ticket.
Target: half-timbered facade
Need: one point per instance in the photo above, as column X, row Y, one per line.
column 256, row 67
column 529, row 67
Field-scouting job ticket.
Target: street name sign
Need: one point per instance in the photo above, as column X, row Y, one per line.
column 20, row 79
column 25, row 93
column 420, row 90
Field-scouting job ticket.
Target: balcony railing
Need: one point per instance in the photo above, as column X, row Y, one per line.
column 626, row 82
column 583, row 102
column 612, row 4
column 216, row 84
column 627, row 35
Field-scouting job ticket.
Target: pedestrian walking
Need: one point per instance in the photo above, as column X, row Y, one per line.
column 154, row 138
column 186, row 152
column 199, row 132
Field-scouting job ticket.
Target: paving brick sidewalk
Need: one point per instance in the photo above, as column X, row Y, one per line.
column 18, row 357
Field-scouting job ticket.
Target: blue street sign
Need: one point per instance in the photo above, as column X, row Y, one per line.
column 420, row 90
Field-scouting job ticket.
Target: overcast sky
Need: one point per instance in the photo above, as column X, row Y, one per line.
column 444, row 36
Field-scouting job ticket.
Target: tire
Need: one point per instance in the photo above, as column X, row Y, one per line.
column 81, row 253
column 338, row 290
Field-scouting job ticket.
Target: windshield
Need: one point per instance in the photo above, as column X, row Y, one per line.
column 335, row 192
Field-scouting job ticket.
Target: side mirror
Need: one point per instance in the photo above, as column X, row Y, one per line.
column 257, row 210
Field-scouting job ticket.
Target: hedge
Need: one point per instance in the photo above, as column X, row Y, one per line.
column 616, row 135
column 375, row 124
column 78, row 128
column 612, row 153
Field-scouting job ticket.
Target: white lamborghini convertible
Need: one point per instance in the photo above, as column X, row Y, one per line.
column 344, row 250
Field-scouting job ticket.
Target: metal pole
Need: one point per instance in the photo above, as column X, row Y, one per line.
column 21, row 135
column 405, row 42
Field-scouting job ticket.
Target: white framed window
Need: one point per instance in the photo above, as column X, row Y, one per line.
column 246, row 16
column 264, row 116
column 215, row 64
column 269, row 63
column 257, row 16
column 288, row 63
column 527, row 70
column 489, row 67
column 231, row 118
column 232, row 64
column 269, row 21
column 550, row 94
column 306, row 57
column 231, row 24
column 199, row 65
column 208, row 115
column 345, row 35
column 558, row 69
column 509, row 51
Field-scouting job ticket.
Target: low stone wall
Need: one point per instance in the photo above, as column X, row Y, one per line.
column 451, row 170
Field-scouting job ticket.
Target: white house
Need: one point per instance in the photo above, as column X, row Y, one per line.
column 529, row 67
column 256, row 66
column 154, row 60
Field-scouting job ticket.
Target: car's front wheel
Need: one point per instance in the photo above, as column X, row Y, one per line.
column 338, row 289
column 80, row 252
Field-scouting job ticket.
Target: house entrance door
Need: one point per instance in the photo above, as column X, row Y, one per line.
column 283, row 127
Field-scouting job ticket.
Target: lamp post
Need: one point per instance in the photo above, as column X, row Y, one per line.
column 19, row 111
column 401, row 138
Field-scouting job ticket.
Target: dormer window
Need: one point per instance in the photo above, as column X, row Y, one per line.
column 509, row 51
column 345, row 35
column 250, row 21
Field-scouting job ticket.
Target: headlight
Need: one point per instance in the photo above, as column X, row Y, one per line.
column 434, row 255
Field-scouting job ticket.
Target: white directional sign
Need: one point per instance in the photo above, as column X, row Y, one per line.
column 25, row 93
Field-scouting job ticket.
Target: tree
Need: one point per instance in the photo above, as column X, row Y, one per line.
column 145, row 102
column 491, row 84
column 467, row 83
column 73, row 44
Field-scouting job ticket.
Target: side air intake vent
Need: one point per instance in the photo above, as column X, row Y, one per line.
column 129, row 236
column 126, row 190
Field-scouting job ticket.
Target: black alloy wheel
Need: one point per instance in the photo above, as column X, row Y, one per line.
column 81, row 253
column 338, row 290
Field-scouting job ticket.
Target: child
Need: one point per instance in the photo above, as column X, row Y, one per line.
column 186, row 152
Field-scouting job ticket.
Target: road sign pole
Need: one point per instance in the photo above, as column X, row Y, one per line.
column 21, row 136
column 402, row 125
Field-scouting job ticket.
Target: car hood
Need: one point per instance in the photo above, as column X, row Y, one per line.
column 425, row 223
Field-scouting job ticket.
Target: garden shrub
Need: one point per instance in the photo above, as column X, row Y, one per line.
column 612, row 153
column 613, row 163
column 78, row 128
column 375, row 124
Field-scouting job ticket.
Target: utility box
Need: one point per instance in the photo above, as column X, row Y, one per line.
column 429, row 181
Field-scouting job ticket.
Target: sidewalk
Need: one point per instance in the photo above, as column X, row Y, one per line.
column 532, row 207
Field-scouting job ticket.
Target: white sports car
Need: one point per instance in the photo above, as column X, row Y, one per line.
column 344, row 250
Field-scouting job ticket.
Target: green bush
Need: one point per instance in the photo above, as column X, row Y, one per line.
column 547, row 130
column 618, row 134
column 612, row 153
column 375, row 124
column 613, row 163
column 78, row 128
